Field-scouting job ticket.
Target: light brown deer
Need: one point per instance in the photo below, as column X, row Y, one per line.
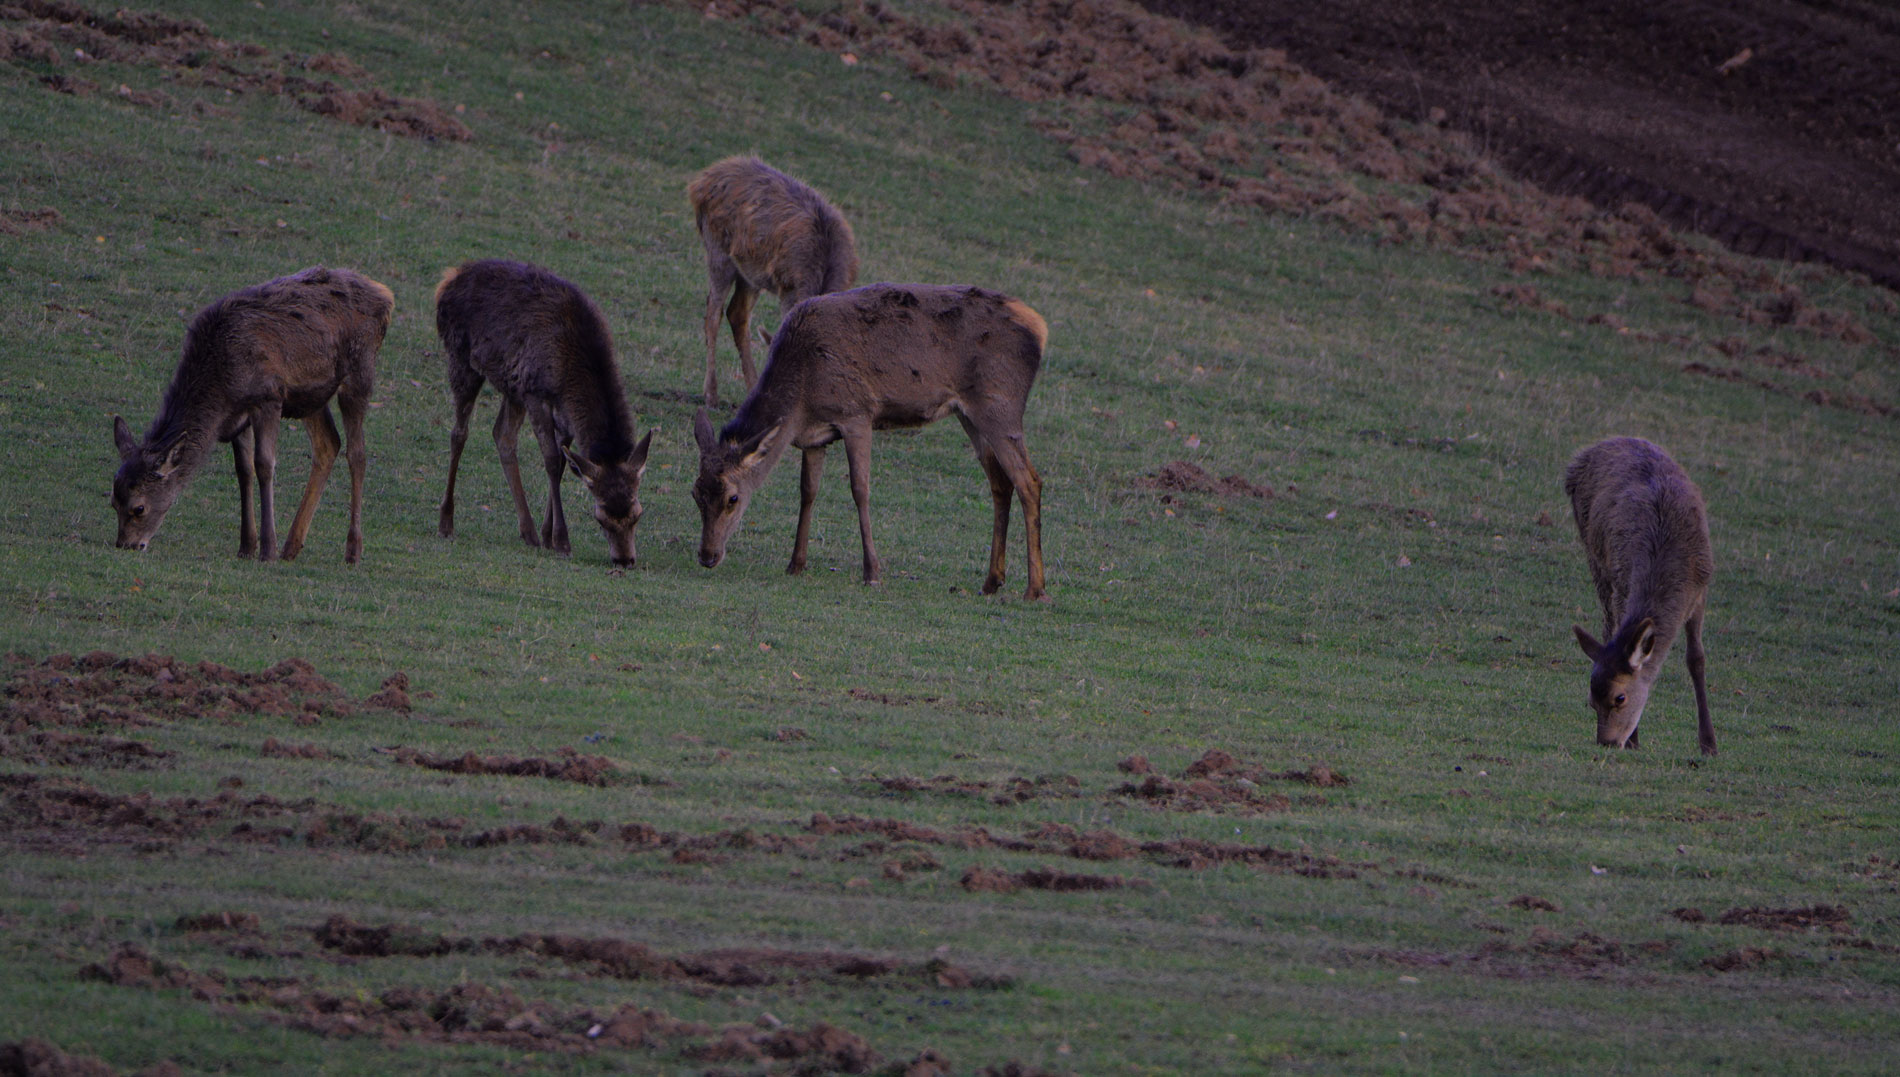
column 881, row 356
column 279, row 350
column 764, row 232
column 546, row 347
column 1646, row 536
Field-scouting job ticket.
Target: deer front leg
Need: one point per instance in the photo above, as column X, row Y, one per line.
column 242, row 450
column 264, row 428
column 507, row 433
column 1698, row 667
column 739, row 316
column 814, row 464
column 857, row 454
column 324, row 443
column 720, row 275
column 554, row 462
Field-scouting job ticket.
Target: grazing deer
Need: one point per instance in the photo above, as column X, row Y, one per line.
column 881, row 356
column 546, row 348
column 764, row 232
column 1646, row 536
column 279, row 350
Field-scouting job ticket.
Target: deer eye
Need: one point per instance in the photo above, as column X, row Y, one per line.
column 1620, row 697
column 138, row 510
column 733, row 499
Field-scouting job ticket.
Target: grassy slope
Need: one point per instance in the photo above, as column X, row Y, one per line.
column 1376, row 380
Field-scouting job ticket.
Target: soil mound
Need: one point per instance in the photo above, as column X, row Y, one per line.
column 1185, row 477
column 50, row 34
column 103, row 690
column 567, row 766
column 1773, row 149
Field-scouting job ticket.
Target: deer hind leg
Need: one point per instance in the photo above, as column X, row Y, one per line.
column 1000, row 490
column 243, row 455
column 554, row 520
column 1698, row 665
column 466, row 386
column 857, row 454
column 1014, row 460
column 739, row 317
column 720, row 274
column 507, row 433
column 324, row 443
column 264, row 429
column 356, row 450
column 813, row 466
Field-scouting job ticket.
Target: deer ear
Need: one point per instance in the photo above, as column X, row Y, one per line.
column 173, row 460
column 122, row 438
column 1645, row 644
column 587, row 471
column 756, row 449
column 639, row 456
column 703, row 432
column 1586, row 641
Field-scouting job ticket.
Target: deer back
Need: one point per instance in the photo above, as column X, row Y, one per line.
column 536, row 336
column 899, row 355
column 781, row 234
column 1644, row 531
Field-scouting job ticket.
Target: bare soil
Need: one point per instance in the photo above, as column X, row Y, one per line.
column 101, row 690
column 1768, row 124
column 1188, row 477
column 567, row 766
column 61, row 39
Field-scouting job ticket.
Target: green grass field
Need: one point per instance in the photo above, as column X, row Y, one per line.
column 1400, row 612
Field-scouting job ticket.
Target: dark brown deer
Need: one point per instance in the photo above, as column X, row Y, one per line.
column 546, row 347
column 279, row 350
column 764, row 232
column 881, row 356
column 1646, row 536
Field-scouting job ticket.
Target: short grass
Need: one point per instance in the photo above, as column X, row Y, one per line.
column 1400, row 611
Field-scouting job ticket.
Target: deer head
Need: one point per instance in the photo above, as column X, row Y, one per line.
column 1622, row 673
column 148, row 481
column 615, row 486
column 729, row 473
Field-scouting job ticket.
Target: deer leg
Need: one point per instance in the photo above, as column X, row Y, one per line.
column 739, row 316
column 554, row 520
column 243, row 448
column 458, row 436
column 814, row 464
column 1014, row 460
column 857, row 454
column 356, row 450
column 1000, row 491
column 1698, row 665
column 264, row 428
column 720, row 274
column 324, row 443
column 507, row 433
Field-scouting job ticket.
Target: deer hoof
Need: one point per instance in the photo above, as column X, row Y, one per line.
column 796, row 568
column 1038, row 596
column 991, row 584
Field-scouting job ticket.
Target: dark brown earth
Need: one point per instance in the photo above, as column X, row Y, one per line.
column 1772, row 125
column 1188, row 477
column 65, row 41
column 567, row 765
